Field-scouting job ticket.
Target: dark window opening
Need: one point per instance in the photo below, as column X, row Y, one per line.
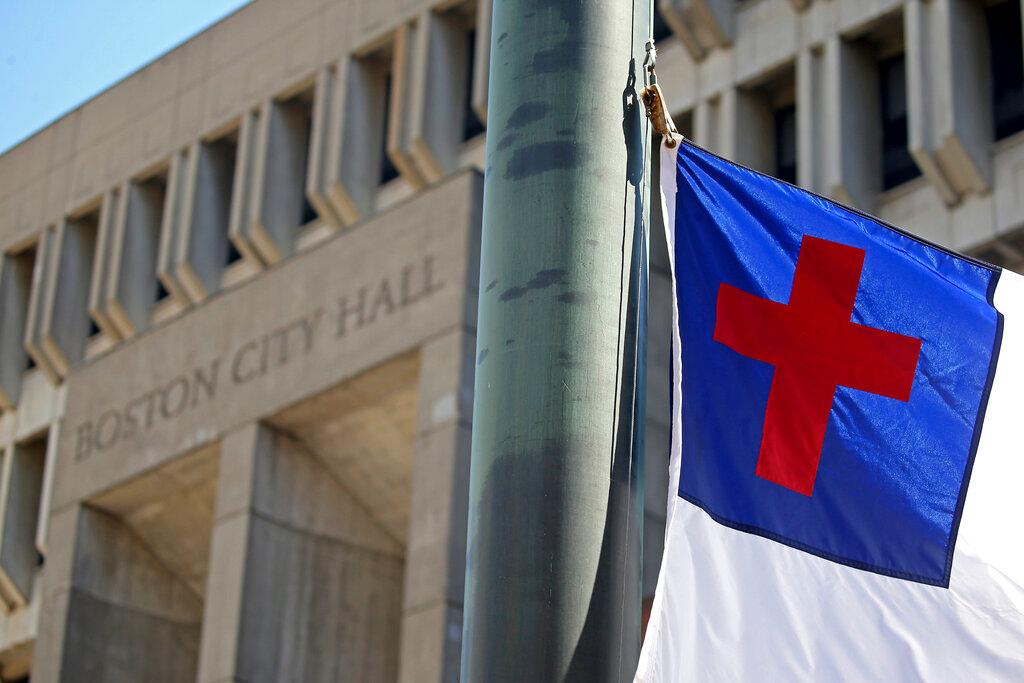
column 304, row 104
column 661, row 28
column 898, row 165
column 785, row 143
column 471, row 123
column 24, row 262
column 309, row 213
column 1007, row 64
column 388, row 171
column 232, row 255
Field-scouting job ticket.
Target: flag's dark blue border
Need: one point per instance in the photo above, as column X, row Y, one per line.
column 978, row 423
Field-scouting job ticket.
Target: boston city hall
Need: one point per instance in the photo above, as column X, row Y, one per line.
column 238, row 296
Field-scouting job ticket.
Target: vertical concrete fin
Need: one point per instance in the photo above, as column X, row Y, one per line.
column 38, row 301
column 112, row 217
column 321, row 139
column 242, row 195
column 132, row 282
column 811, row 119
column 360, row 131
column 409, row 56
column 180, row 189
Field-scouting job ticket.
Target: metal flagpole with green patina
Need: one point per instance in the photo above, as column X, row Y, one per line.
column 555, row 510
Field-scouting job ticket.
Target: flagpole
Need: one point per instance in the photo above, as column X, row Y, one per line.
column 555, row 509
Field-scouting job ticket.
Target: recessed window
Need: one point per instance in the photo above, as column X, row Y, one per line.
column 898, row 165
column 1007, row 63
column 83, row 233
column 662, row 31
column 300, row 129
column 766, row 120
column 217, row 172
column 18, row 552
column 388, row 170
column 471, row 123
column 24, row 263
column 785, row 143
column 152, row 192
column 140, row 252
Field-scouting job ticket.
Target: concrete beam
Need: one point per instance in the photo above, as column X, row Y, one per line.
column 702, row 25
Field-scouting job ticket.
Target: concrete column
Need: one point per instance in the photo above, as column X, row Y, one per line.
column 435, row 567
column 737, row 124
column 711, row 118
column 303, row 584
column 949, row 94
column 839, row 143
column 811, row 120
column 111, row 611
column 702, row 25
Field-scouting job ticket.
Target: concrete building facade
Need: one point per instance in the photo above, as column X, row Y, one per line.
column 238, row 294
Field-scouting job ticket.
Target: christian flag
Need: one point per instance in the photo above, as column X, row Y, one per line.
column 847, row 471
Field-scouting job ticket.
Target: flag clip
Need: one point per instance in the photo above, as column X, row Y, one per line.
column 654, row 100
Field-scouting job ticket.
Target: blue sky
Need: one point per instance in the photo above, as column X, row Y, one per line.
column 56, row 54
